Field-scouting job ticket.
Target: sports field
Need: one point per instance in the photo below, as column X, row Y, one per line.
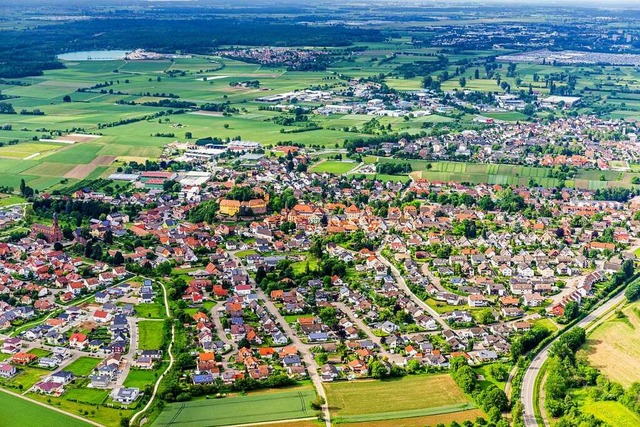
column 254, row 408
column 333, row 166
column 617, row 337
column 407, row 397
column 19, row 412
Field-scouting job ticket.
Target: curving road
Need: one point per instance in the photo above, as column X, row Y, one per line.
column 529, row 380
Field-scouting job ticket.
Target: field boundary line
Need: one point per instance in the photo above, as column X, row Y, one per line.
column 53, row 408
column 265, row 423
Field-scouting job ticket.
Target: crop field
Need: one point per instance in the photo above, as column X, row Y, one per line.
column 407, row 397
column 500, row 174
column 83, row 366
column 253, row 408
column 150, row 336
column 619, row 337
column 26, row 414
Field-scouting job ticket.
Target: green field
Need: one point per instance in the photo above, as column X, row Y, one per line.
column 611, row 412
column 150, row 336
column 87, row 395
column 501, row 174
column 411, row 396
column 83, row 366
column 150, row 311
column 141, row 378
column 333, row 166
column 19, row 412
column 253, row 408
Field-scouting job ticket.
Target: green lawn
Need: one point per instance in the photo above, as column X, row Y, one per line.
column 83, row 366
column 150, row 335
column 19, row 412
column 40, row 352
column 141, row 378
column 87, row 395
column 253, row 408
column 150, row 311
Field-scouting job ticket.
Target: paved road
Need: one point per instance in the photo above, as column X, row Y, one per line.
column 129, row 356
column 395, row 358
column 305, row 353
column 528, row 383
column 403, row 285
column 217, row 322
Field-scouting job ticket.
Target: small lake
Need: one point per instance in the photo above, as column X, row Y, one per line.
column 94, row 55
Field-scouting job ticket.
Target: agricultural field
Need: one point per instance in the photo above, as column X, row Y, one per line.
column 406, row 397
column 502, row 174
column 252, row 408
column 27, row 414
column 617, row 336
column 150, row 334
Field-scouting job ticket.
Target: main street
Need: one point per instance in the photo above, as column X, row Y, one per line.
column 529, row 380
column 304, row 349
column 403, row 285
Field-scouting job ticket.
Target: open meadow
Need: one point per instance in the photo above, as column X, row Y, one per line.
column 407, row 397
column 619, row 337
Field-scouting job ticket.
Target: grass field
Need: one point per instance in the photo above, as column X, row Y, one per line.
column 611, row 412
column 150, row 311
column 253, row 408
column 407, row 397
column 141, row 378
column 150, row 335
column 19, row 412
column 617, row 337
column 87, row 395
column 333, row 166
column 83, row 366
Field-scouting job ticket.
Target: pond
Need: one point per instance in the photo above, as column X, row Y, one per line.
column 94, row 55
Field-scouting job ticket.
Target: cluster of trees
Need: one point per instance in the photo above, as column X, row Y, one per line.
column 140, row 118
column 528, row 341
column 491, row 399
column 565, row 372
column 616, row 194
column 204, row 212
column 394, row 168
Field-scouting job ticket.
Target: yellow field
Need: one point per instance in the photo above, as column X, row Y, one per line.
column 430, row 420
column 614, row 347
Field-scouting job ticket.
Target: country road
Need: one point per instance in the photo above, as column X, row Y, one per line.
column 529, row 380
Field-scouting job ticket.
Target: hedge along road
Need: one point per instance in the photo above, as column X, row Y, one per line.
column 529, row 380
